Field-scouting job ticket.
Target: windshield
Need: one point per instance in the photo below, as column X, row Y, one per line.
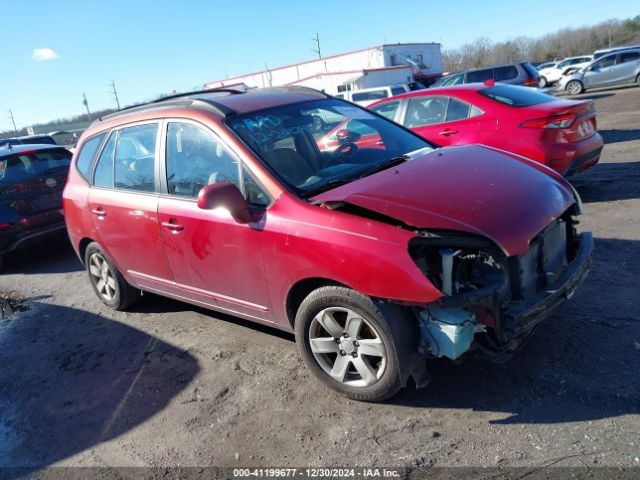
column 313, row 146
column 32, row 165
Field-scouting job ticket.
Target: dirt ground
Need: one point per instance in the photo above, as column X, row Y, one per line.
column 168, row 384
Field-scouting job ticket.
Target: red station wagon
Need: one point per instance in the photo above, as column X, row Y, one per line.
column 377, row 258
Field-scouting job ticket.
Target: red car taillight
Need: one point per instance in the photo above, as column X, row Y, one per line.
column 557, row 121
column 532, row 82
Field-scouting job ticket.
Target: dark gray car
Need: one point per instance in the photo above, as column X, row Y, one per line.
column 620, row 68
column 520, row 73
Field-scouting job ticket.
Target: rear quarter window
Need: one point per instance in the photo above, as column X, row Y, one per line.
column 505, row 73
column 87, row 153
column 515, row 96
column 372, row 95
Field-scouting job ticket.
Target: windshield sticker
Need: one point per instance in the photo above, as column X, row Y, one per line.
column 355, row 113
column 275, row 135
column 261, row 122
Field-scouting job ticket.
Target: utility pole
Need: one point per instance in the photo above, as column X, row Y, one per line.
column 13, row 121
column 114, row 92
column 316, row 40
column 86, row 104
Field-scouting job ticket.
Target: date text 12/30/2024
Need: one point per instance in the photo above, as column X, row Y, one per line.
column 316, row 472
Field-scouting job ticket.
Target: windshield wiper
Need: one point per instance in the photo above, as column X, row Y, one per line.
column 341, row 181
column 392, row 162
column 327, row 186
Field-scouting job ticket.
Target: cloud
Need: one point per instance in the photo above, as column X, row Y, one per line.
column 41, row 54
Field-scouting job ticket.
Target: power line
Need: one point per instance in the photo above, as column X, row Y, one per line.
column 316, row 39
column 114, row 93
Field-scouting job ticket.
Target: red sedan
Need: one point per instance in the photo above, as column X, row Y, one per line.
column 559, row 133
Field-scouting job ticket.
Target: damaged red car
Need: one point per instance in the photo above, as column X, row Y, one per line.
column 379, row 257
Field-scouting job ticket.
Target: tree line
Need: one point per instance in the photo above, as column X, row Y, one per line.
column 566, row 42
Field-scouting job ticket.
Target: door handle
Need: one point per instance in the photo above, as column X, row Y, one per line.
column 447, row 131
column 174, row 227
column 99, row 212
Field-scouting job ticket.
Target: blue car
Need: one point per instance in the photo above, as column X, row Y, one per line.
column 32, row 178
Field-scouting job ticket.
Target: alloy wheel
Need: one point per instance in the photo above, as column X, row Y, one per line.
column 574, row 87
column 347, row 347
column 102, row 276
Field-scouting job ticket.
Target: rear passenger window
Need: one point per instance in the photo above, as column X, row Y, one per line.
column 457, row 110
column 423, row 111
column 196, row 159
column 505, row 73
column 135, row 158
column 387, row 110
column 480, row 75
column 629, row 57
column 87, row 153
column 103, row 176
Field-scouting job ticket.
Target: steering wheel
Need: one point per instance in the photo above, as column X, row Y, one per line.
column 348, row 149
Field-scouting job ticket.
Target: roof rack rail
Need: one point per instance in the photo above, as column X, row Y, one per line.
column 155, row 103
column 198, row 92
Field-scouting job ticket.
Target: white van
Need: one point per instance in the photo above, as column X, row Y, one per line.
column 367, row 96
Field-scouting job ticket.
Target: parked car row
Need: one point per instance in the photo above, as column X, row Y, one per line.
column 378, row 248
column 608, row 67
column 610, row 70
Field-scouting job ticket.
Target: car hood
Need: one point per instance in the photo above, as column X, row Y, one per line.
column 472, row 188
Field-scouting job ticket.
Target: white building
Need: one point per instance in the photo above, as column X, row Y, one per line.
column 365, row 68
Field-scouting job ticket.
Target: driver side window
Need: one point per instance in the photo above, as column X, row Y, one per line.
column 195, row 158
column 428, row 110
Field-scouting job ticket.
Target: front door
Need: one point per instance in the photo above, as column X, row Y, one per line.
column 444, row 120
column 214, row 259
column 601, row 73
column 124, row 202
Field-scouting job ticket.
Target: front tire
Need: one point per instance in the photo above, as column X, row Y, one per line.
column 345, row 341
column 108, row 283
column 575, row 87
column 542, row 83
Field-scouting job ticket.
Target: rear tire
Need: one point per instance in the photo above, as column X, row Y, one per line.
column 108, row 283
column 345, row 341
column 543, row 83
column 575, row 87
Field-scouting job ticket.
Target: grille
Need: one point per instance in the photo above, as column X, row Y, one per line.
column 540, row 266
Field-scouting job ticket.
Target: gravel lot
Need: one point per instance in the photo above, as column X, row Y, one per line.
column 168, row 384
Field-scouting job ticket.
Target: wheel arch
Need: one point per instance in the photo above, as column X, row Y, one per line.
column 82, row 247
column 300, row 290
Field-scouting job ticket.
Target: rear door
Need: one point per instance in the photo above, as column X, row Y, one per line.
column 124, row 203
column 626, row 67
column 31, row 184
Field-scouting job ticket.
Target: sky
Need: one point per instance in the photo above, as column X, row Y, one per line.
column 52, row 52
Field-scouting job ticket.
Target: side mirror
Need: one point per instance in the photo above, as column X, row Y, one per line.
column 227, row 195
